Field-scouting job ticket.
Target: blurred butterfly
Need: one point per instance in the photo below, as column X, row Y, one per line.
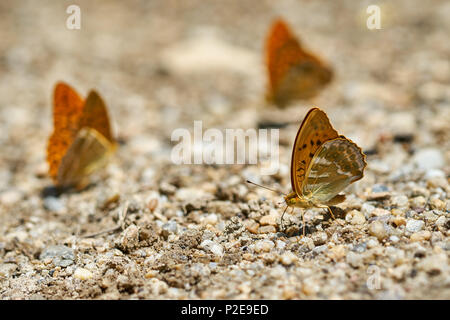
column 323, row 164
column 293, row 72
column 81, row 141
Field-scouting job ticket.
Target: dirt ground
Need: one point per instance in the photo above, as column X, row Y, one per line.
column 199, row 231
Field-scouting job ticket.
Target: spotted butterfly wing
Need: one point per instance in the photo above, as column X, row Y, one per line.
column 314, row 131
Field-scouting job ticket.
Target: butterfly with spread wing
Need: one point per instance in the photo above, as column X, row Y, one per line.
column 81, row 141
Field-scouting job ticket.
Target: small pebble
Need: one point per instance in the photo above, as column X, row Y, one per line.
column 307, row 243
column 437, row 204
column 7, row 269
column 213, row 247
column 270, row 219
column 398, row 221
column 129, row 238
column 420, row 236
column 418, row 202
column 337, row 252
column 372, row 243
column 397, row 212
column 354, row 259
column 379, row 188
column 252, row 226
column 211, row 219
column 267, row 229
column 168, row 228
column 357, row 218
column 378, row 230
column 151, row 274
column 413, row 225
column 82, row 274
column 441, row 221
column 428, row 159
column 394, row 239
column 263, row 246
column 54, row 204
column 320, row 249
column 280, row 244
column 10, row 197
column 400, row 201
column 288, row 258
column 434, row 173
column 367, row 209
column 60, row 255
column 319, row 238
column 434, row 264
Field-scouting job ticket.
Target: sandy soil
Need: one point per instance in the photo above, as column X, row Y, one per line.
column 199, row 231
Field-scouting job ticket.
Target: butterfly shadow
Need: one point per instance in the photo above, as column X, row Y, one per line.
column 325, row 222
column 57, row 191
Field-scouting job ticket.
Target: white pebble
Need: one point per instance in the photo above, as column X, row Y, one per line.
column 367, row 209
column 413, row 225
column 211, row 219
column 281, row 244
column 82, row 274
column 263, row 246
column 429, row 159
column 288, row 258
column 394, row 239
column 400, row 201
column 213, row 247
column 378, row 230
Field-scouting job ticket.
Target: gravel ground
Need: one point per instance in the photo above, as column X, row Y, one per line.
column 199, row 231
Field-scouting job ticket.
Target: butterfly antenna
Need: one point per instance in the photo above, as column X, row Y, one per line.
column 258, row 185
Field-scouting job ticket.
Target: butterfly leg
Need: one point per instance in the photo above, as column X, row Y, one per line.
column 329, row 210
column 281, row 221
column 303, row 223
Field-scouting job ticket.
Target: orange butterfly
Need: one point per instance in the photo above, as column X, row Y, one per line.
column 323, row 164
column 293, row 72
column 81, row 141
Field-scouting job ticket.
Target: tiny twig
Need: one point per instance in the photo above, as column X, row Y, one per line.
column 119, row 226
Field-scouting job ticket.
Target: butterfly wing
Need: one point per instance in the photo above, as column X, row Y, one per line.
column 293, row 72
column 336, row 164
column 303, row 81
column 95, row 116
column 88, row 152
column 281, row 52
column 67, row 110
column 314, row 131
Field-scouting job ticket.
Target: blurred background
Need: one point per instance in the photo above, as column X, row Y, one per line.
column 160, row 65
